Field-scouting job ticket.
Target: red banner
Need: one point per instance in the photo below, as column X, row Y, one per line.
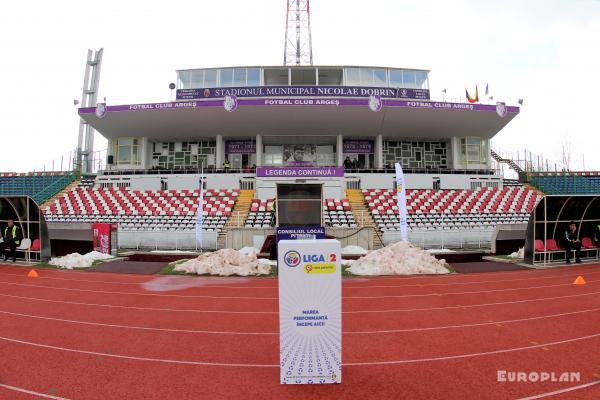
column 101, row 238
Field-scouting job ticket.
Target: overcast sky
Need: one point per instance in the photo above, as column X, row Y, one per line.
column 546, row 52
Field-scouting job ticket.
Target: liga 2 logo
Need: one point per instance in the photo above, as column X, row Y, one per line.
column 292, row 258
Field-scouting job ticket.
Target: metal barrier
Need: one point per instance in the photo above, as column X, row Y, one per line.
column 165, row 240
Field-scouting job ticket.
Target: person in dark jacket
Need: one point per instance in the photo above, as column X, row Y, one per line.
column 11, row 238
column 571, row 242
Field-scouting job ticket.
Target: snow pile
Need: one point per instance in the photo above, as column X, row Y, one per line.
column 400, row 258
column 518, row 254
column 353, row 251
column 248, row 250
column 76, row 260
column 224, row 262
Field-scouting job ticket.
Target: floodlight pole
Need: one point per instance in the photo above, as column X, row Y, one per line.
column 85, row 141
column 298, row 37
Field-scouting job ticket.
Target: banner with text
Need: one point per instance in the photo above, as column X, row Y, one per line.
column 358, row 147
column 300, row 172
column 101, row 238
column 300, row 233
column 310, row 311
column 308, row 91
column 240, row 147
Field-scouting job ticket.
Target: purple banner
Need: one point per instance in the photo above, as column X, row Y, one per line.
column 300, row 172
column 358, row 147
column 299, row 102
column 240, row 147
column 302, row 91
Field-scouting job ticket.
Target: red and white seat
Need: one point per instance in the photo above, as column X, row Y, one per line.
column 336, row 213
column 454, row 209
column 143, row 210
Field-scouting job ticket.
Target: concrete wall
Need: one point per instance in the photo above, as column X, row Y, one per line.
column 266, row 188
column 245, row 237
column 332, row 188
column 424, row 181
column 176, row 181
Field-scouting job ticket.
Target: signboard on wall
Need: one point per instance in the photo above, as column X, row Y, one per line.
column 101, row 237
column 310, row 311
column 359, row 147
column 300, row 232
column 240, row 147
column 302, row 91
column 300, row 155
column 300, row 172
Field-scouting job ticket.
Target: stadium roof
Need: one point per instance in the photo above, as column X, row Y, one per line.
column 299, row 116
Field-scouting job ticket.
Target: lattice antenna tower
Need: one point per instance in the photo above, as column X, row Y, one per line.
column 298, row 39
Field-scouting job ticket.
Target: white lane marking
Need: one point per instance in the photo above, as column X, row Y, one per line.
column 485, row 353
column 432, row 328
column 138, row 308
column 275, row 312
column 355, row 364
column 31, row 392
column 143, row 328
column 345, row 284
column 468, row 305
column 140, row 294
column 569, row 389
column 275, row 298
column 460, row 293
column 168, row 361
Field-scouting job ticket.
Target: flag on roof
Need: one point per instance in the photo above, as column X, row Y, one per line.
column 473, row 99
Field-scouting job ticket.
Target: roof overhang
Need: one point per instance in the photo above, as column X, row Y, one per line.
column 300, row 116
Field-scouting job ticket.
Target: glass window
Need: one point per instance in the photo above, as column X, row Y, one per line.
column 253, row 77
column 197, row 79
column 210, row 78
column 379, row 78
column 421, row 79
column 396, row 78
column 226, row 77
column 473, row 150
column 127, row 151
column 185, row 80
column 239, row 77
column 352, row 77
column 408, row 79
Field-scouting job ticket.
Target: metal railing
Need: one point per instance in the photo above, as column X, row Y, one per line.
column 165, row 240
column 444, row 239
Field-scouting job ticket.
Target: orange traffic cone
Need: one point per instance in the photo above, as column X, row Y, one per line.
column 32, row 274
column 579, row 281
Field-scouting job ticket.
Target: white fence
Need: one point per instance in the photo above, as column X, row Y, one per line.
column 444, row 239
column 165, row 240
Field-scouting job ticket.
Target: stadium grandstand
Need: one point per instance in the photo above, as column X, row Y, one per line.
column 241, row 131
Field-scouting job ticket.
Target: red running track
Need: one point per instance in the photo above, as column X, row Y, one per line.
column 85, row 335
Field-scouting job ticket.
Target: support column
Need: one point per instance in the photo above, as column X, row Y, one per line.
column 259, row 150
column 219, row 152
column 340, row 150
column 379, row 151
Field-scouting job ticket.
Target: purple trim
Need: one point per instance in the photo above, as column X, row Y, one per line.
column 300, row 172
column 307, row 102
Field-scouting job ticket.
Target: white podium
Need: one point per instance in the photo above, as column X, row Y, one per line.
column 310, row 311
